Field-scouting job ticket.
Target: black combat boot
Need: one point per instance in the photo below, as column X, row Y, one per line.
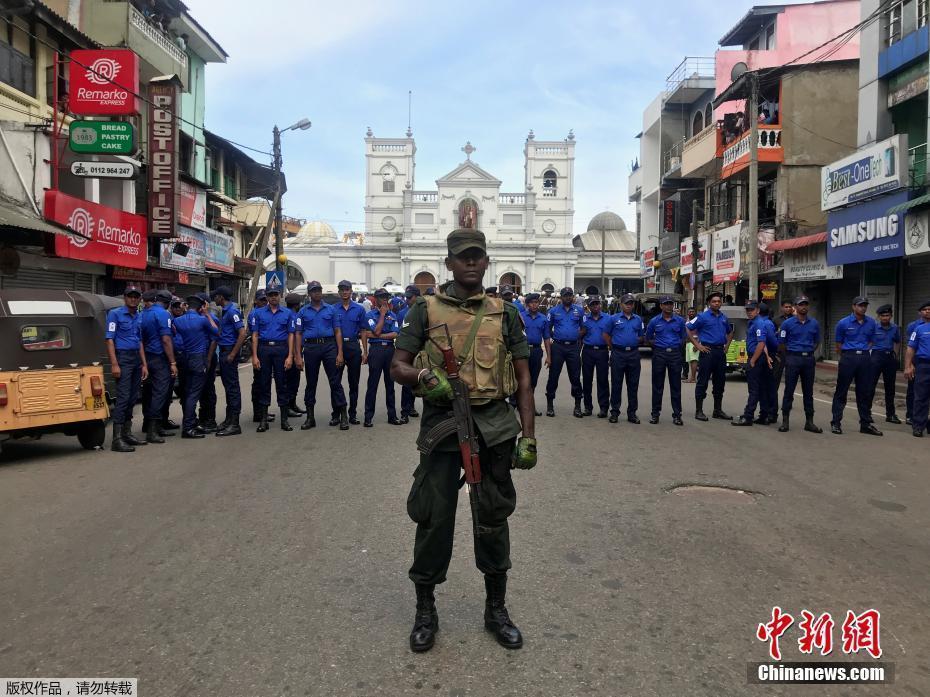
column 550, row 408
column 309, row 422
column 119, row 445
column 294, row 410
column 699, row 410
column 285, row 426
column 151, row 432
column 810, row 426
column 496, row 619
column 209, row 425
column 577, row 412
column 426, row 622
column 784, row 422
column 719, row 413
column 262, row 420
column 129, row 438
column 232, row 427
column 334, row 419
column 343, row 419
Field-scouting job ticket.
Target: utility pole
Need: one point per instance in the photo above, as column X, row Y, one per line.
column 695, row 250
column 754, row 187
column 604, row 292
column 278, row 232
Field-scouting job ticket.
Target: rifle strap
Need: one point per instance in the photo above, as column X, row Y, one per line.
column 470, row 341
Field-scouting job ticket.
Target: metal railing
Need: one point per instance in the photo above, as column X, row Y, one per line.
column 138, row 20
column 672, row 159
column 691, row 67
column 917, row 165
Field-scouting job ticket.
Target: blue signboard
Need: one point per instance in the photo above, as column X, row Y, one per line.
column 866, row 232
column 274, row 280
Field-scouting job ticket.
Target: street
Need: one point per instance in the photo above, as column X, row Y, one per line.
column 275, row 564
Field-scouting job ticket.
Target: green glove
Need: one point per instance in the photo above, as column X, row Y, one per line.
column 524, row 454
column 435, row 387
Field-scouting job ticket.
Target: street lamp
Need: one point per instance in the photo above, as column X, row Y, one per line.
column 301, row 125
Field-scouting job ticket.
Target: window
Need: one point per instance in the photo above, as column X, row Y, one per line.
column 698, row 124
column 186, row 157
column 770, row 37
column 893, row 23
column 17, row 70
column 754, row 44
column 45, row 338
column 549, row 183
column 708, row 115
column 923, row 6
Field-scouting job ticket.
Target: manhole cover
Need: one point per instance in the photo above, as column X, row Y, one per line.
column 713, row 493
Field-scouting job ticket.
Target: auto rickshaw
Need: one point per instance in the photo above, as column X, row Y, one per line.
column 737, row 358
column 54, row 373
column 647, row 307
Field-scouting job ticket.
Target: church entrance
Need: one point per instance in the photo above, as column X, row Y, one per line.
column 424, row 280
column 547, row 288
column 592, row 290
column 511, row 279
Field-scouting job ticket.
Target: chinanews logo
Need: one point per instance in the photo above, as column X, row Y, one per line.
column 103, row 71
column 82, row 226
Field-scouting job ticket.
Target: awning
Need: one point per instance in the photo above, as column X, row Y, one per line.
column 797, row 242
column 919, row 202
column 15, row 217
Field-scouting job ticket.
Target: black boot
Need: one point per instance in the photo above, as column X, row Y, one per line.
column 334, row 418
column 262, row 419
column 151, row 432
column 129, row 438
column 309, row 422
column 293, row 409
column 119, row 445
column 577, row 412
column 285, row 426
column 209, row 425
column 810, row 426
column 343, row 420
column 719, row 413
column 256, row 413
column 784, row 423
column 496, row 619
column 550, row 408
column 699, row 410
column 232, row 427
column 426, row 622
column 163, row 429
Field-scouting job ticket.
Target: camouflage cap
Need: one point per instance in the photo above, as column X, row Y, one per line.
column 463, row 239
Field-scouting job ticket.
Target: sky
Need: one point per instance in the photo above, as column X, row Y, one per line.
column 485, row 72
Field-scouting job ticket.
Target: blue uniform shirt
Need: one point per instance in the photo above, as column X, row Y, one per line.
column 196, row 331
column 771, row 336
column 230, row 324
column 176, row 338
column 886, row 338
column 351, row 320
column 517, row 304
column 317, row 323
column 390, row 324
column 755, row 334
column 711, row 329
column 799, row 337
column 272, row 326
column 565, row 325
column 595, row 329
column 920, row 340
column 912, row 326
column 854, row 336
column 625, row 331
column 536, row 326
column 155, row 323
column 125, row 328
column 402, row 312
column 667, row 333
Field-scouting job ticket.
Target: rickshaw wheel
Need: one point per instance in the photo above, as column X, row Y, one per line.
column 92, row 435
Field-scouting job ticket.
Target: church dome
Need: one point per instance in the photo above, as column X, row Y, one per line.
column 607, row 221
column 316, row 231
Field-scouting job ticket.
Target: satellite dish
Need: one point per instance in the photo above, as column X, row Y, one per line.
column 737, row 71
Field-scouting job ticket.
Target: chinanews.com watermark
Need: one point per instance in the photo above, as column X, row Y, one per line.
column 802, row 673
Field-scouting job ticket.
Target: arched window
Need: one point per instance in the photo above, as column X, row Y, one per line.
column 698, row 124
column 468, row 213
column 709, row 115
column 549, row 183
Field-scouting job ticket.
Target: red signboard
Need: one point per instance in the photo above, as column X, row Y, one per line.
column 103, row 82
column 163, row 157
column 669, row 216
column 101, row 234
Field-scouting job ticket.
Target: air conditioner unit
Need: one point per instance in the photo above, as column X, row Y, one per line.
column 674, row 163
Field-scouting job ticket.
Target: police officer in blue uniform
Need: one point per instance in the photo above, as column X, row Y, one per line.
column 565, row 320
column 666, row 334
column 273, row 352
column 854, row 336
column 624, row 338
column 798, row 338
column 408, row 407
column 759, row 363
column 232, row 335
column 536, row 326
column 128, row 366
column 199, row 333
column 711, row 333
column 379, row 340
column 318, row 330
column 917, row 370
column 261, row 300
column 352, row 322
column 909, row 395
column 163, row 368
column 885, row 350
column 175, row 309
column 595, row 357
column 293, row 301
column 207, row 418
column 768, row 394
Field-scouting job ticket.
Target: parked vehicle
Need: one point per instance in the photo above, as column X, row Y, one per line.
column 54, row 372
column 737, row 359
column 647, row 307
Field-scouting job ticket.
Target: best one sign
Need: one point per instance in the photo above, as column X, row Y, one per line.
column 103, row 82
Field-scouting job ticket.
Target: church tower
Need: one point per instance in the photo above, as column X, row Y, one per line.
column 550, row 174
column 390, row 168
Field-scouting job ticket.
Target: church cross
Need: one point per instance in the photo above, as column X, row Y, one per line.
column 468, row 150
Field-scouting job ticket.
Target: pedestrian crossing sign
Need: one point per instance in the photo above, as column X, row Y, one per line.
column 274, row 280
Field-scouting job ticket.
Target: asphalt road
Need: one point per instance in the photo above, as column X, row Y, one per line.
column 275, row 564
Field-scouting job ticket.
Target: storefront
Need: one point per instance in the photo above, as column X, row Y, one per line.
column 727, row 260
column 915, row 267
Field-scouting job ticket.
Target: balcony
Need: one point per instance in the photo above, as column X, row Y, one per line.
column 121, row 24
column 424, row 197
column 512, row 199
column 636, row 184
column 689, row 80
column 671, row 161
column 736, row 155
column 699, row 154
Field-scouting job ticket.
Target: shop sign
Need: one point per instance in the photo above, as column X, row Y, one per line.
column 103, row 170
column 726, row 254
column 878, row 296
column 193, row 206
column 873, row 170
column 917, row 233
column 103, row 82
column 809, row 264
column 149, row 275
column 866, row 232
column 218, row 251
column 907, row 84
column 99, row 233
column 769, row 290
column 163, row 157
column 647, row 263
column 668, row 216
column 195, row 258
column 687, row 255
column 102, row 137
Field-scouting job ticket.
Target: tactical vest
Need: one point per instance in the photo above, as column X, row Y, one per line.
column 487, row 367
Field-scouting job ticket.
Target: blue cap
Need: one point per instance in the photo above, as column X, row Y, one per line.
column 752, row 305
column 345, row 284
column 412, row 289
column 628, row 298
column 802, row 299
column 860, row 300
column 531, row 297
column 566, row 291
column 314, row 285
column 382, row 293
column 225, row 291
column 665, row 300
column 924, row 305
column 163, row 295
column 260, row 294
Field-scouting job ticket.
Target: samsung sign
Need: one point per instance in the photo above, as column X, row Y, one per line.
column 871, row 171
column 866, row 232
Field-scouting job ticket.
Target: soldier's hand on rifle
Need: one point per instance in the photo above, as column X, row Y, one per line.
column 524, row 453
column 435, row 385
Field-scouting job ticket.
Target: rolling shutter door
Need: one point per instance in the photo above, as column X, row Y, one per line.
column 915, row 286
column 842, row 292
column 40, row 279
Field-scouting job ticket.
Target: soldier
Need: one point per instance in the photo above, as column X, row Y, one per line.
column 507, row 295
column 595, row 356
column 565, row 320
column 854, row 335
column 232, row 336
column 666, row 334
column 798, row 339
column 536, row 325
column 352, row 321
column 408, row 405
column 377, row 353
column 199, row 333
column 759, row 364
column 292, row 302
column 884, row 359
column 273, row 330
column 624, row 339
column 127, row 365
column 710, row 333
column 159, row 357
column 917, row 370
column 467, row 312
column 319, row 332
